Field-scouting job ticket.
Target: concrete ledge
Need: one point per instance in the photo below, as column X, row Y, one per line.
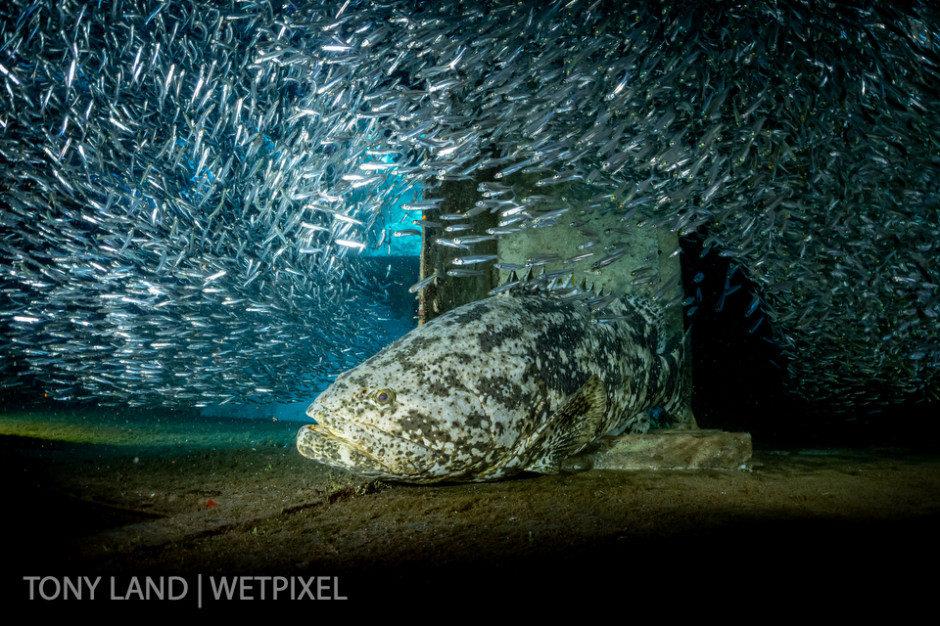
column 677, row 449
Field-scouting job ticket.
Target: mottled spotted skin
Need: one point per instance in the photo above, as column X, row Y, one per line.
column 511, row 383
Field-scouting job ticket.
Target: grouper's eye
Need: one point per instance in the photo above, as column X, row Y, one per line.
column 384, row 396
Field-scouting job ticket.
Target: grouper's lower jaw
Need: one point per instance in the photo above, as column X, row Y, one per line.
column 316, row 441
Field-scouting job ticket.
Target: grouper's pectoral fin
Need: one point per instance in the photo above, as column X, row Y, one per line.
column 569, row 430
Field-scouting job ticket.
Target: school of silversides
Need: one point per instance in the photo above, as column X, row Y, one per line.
column 185, row 185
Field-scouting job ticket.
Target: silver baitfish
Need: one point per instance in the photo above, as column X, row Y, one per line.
column 185, row 186
column 515, row 382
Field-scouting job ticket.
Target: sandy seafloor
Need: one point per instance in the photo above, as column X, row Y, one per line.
column 145, row 494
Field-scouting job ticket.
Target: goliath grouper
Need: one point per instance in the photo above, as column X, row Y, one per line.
column 515, row 382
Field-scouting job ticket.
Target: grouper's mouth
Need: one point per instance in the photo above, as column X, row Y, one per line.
column 365, row 450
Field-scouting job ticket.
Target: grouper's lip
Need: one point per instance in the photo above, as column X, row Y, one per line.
column 323, row 430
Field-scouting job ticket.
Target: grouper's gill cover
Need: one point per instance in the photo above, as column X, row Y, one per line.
column 516, row 382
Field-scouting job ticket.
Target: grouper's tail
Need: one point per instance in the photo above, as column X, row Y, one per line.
column 675, row 350
column 679, row 406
